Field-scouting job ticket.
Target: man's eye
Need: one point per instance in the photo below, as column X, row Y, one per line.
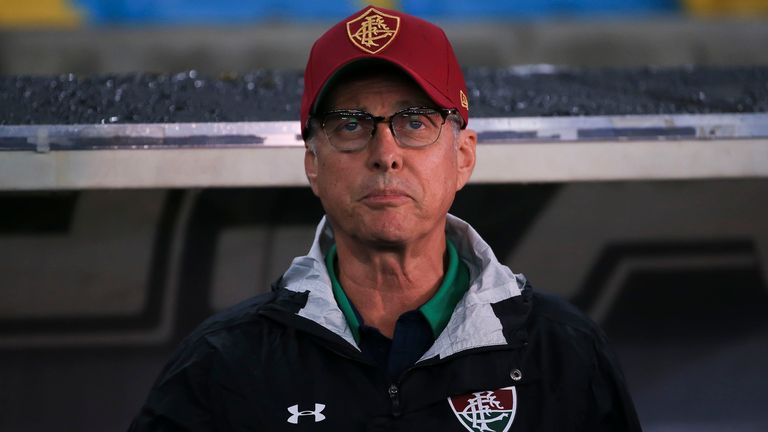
column 350, row 126
column 415, row 122
column 345, row 125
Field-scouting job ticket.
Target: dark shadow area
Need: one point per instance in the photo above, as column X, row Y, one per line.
column 216, row 210
column 693, row 344
column 63, row 206
column 614, row 255
column 487, row 209
column 695, row 306
column 31, row 213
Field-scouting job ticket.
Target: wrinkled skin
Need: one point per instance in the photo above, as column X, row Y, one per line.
column 388, row 196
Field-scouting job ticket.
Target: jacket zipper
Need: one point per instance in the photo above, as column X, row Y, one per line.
column 394, row 397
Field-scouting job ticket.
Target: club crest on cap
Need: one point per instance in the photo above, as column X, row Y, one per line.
column 373, row 30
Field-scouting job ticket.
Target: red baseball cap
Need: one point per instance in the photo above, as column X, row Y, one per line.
column 418, row 47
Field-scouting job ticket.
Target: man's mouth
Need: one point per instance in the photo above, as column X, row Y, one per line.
column 386, row 197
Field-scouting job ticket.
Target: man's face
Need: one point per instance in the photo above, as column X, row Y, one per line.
column 386, row 195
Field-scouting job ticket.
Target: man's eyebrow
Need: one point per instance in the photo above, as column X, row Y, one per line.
column 346, row 108
column 415, row 103
column 403, row 104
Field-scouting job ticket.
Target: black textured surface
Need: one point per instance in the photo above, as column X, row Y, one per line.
column 266, row 95
column 618, row 91
column 263, row 95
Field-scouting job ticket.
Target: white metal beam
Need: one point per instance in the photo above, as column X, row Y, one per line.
column 269, row 154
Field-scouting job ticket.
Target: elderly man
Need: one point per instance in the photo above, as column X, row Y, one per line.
column 400, row 317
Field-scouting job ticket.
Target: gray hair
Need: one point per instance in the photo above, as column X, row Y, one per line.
column 312, row 134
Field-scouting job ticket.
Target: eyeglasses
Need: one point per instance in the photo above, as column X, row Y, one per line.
column 351, row 130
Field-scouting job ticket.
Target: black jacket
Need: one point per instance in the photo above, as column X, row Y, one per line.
column 510, row 359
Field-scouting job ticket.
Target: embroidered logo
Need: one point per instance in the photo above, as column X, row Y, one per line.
column 464, row 100
column 373, row 30
column 295, row 413
column 491, row 411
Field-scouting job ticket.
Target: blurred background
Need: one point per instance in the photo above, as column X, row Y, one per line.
column 95, row 36
column 98, row 286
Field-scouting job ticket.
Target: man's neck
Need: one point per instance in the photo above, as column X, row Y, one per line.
column 384, row 283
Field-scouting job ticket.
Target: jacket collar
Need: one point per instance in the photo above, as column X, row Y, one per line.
column 473, row 324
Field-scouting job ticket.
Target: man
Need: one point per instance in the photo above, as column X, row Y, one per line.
column 400, row 317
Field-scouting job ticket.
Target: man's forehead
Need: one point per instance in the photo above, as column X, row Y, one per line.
column 353, row 89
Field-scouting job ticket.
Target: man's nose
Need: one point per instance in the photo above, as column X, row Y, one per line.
column 384, row 153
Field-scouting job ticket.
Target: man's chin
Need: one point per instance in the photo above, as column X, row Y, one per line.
column 389, row 235
column 390, row 230
column 383, row 229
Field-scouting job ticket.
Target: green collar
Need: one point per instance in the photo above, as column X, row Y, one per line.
column 437, row 310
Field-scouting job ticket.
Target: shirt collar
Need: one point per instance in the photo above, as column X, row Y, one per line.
column 437, row 310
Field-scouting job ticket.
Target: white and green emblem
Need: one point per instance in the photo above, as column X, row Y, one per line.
column 491, row 411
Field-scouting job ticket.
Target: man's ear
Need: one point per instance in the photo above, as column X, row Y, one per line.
column 310, row 167
column 466, row 156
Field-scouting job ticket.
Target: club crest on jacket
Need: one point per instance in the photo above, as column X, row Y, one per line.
column 492, row 410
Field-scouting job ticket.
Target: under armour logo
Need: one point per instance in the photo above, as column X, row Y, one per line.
column 295, row 413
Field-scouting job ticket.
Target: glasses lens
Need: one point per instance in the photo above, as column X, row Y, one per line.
column 348, row 131
column 416, row 128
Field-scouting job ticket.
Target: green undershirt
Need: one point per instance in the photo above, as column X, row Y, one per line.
column 437, row 311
